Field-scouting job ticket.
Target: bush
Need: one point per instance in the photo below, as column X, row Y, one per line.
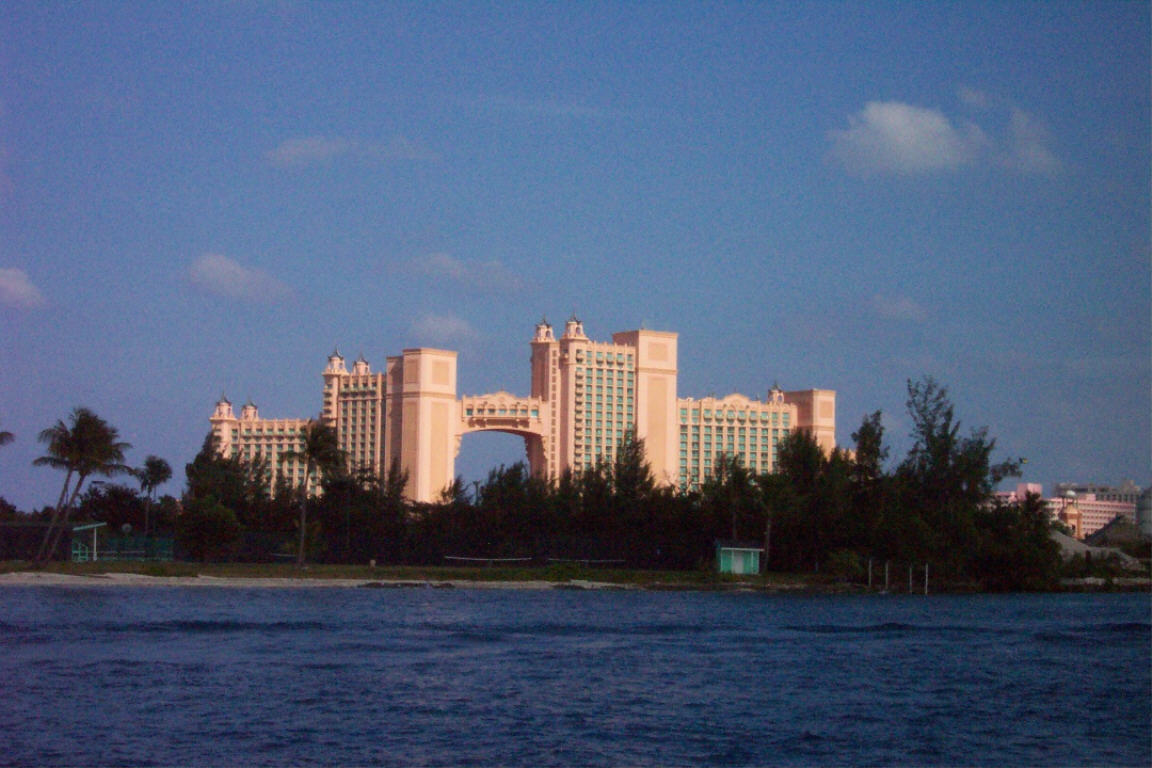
column 207, row 530
column 846, row 564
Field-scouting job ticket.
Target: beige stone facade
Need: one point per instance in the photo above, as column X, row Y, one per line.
column 585, row 397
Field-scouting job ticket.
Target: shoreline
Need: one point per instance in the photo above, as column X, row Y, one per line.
column 126, row 579
column 49, row 579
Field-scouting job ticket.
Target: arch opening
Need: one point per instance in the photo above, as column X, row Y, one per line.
column 482, row 451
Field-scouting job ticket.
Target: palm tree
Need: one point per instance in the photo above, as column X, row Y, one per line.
column 321, row 454
column 90, row 446
column 151, row 476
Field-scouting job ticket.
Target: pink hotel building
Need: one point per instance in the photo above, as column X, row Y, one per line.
column 585, row 396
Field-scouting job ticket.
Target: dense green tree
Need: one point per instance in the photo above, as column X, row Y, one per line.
column 8, row 510
column 242, row 487
column 321, row 454
column 237, row 484
column 870, row 451
column 869, row 485
column 207, row 530
column 84, row 447
column 114, row 504
column 946, row 478
column 732, row 498
column 1015, row 549
column 797, row 530
column 634, row 497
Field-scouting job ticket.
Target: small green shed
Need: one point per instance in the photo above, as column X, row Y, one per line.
column 740, row 558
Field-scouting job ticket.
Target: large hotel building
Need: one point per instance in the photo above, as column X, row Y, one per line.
column 585, row 397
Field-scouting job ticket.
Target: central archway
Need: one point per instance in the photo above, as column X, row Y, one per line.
column 525, row 417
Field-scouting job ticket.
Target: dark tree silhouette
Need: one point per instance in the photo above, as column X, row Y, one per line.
column 321, row 455
column 86, row 446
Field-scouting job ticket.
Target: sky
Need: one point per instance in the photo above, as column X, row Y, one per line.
column 200, row 199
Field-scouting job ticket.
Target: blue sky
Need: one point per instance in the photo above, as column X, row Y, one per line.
column 199, row 198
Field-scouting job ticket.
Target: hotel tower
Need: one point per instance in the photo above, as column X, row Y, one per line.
column 585, row 397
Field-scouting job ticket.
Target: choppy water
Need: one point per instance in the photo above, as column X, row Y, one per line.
column 176, row 676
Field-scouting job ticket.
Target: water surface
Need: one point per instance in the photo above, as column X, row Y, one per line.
column 210, row 676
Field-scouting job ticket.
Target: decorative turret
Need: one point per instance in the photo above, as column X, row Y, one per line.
column 361, row 366
column 544, row 331
column 574, row 329
column 335, row 363
column 223, row 409
column 249, row 411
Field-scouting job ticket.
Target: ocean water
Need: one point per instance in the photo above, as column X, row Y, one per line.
column 212, row 676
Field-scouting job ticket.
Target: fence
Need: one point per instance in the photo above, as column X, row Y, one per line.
column 124, row 549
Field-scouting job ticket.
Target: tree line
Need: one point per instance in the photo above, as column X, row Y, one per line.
column 817, row 511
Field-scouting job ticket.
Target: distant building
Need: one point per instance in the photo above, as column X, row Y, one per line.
column 1084, row 513
column 353, row 406
column 585, row 397
column 255, row 439
column 1144, row 512
column 1129, row 492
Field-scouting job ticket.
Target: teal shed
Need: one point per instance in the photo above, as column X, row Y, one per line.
column 740, row 558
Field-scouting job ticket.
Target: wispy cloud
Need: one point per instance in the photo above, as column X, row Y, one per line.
column 306, row 150
column 314, row 150
column 554, row 108
column 487, row 276
column 443, row 329
column 223, row 276
column 16, row 290
column 902, row 308
column 1029, row 147
column 891, row 137
column 974, row 98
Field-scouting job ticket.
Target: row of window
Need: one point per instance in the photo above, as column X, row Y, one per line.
column 601, row 356
column 765, row 417
column 533, row 412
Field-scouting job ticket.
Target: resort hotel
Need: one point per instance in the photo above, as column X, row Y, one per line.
column 585, row 397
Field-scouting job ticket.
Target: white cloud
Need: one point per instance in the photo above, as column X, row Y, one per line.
column 895, row 138
column 487, row 276
column 313, row 150
column 16, row 290
column 443, row 329
column 891, row 137
column 901, row 308
column 221, row 275
column 1028, row 144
